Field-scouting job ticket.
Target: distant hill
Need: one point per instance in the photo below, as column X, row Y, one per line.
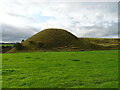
column 4, row 47
column 53, row 39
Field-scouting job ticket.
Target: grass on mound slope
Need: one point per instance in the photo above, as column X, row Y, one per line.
column 88, row 69
column 53, row 39
column 50, row 38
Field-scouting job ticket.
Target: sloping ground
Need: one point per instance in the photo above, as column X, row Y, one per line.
column 61, row 40
column 49, row 38
column 105, row 43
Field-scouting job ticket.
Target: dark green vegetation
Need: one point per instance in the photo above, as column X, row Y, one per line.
column 4, row 47
column 7, row 44
column 88, row 69
column 62, row 40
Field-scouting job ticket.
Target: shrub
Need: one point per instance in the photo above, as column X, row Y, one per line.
column 18, row 46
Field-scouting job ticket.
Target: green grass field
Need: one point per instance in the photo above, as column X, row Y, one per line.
column 85, row 69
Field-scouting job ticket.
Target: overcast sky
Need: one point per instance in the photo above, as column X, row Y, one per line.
column 20, row 19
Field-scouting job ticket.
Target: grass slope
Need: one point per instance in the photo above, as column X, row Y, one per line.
column 103, row 41
column 54, row 39
column 50, row 38
column 88, row 69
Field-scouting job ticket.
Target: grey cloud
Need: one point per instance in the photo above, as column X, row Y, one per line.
column 14, row 34
column 16, row 15
column 100, row 31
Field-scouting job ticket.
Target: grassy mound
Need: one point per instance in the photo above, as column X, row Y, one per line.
column 49, row 38
column 53, row 39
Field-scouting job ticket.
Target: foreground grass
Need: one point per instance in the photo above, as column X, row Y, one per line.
column 88, row 69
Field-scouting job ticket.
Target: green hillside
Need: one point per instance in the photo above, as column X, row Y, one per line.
column 50, row 38
column 53, row 39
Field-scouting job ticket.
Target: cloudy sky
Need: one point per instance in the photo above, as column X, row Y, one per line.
column 20, row 19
